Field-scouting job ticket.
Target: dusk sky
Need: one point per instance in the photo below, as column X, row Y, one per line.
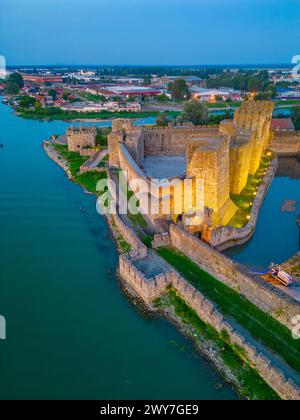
column 149, row 31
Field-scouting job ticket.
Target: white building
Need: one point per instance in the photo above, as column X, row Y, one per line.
column 210, row 95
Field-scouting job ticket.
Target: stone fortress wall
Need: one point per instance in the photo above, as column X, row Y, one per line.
column 255, row 116
column 151, row 288
column 81, row 139
column 264, row 295
column 171, row 140
column 286, row 143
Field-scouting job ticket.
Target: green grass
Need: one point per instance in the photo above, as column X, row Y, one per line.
column 138, row 219
column 147, row 240
column 253, row 386
column 125, row 247
column 87, row 180
column 288, row 102
column 262, row 326
column 245, row 200
column 74, row 159
column 90, row 179
column 71, row 115
column 217, row 105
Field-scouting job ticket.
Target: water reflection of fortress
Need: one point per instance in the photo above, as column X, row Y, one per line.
column 289, row 166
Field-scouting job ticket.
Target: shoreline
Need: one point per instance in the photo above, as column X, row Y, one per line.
column 135, row 116
column 205, row 348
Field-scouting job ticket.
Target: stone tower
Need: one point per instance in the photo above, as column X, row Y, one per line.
column 208, row 159
column 80, row 138
column 123, row 131
column 240, row 154
column 255, row 116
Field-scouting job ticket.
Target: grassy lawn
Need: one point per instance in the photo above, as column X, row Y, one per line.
column 71, row 115
column 262, row 326
column 288, row 102
column 217, row 105
column 137, row 219
column 74, row 159
column 253, row 386
column 245, row 200
column 125, row 247
column 90, row 179
column 87, row 180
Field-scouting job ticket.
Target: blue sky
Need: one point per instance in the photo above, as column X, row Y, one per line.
column 149, row 31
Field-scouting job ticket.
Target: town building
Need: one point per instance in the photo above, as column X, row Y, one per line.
column 41, row 79
column 210, row 95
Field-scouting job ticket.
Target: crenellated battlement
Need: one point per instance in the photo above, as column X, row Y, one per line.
column 79, row 138
column 221, row 156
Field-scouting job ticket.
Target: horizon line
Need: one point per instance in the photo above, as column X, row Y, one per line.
column 150, row 65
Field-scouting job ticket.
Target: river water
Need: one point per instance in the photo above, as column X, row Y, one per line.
column 71, row 332
column 276, row 237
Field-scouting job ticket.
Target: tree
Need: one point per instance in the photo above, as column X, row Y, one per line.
column 296, row 117
column 53, row 93
column 12, row 88
column 195, row 111
column 37, row 106
column 162, row 97
column 255, row 84
column 27, row 101
column 65, row 96
column 16, row 78
column 162, row 120
column 147, row 80
column 263, row 75
column 179, row 90
column 101, row 137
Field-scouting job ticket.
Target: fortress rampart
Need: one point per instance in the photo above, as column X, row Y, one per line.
column 80, row 139
column 151, row 288
column 286, row 143
column 255, row 116
column 264, row 295
column 173, row 140
column 222, row 157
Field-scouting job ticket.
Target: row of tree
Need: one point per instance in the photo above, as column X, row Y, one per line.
column 250, row 81
column 193, row 110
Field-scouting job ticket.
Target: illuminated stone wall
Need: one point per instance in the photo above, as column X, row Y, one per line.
column 255, row 116
column 222, row 156
column 208, row 159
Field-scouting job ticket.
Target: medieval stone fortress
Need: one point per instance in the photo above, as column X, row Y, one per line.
column 223, row 157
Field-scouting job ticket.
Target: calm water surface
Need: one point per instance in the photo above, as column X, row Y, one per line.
column 277, row 236
column 71, row 332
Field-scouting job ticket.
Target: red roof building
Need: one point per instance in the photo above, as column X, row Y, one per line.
column 41, row 79
column 282, row 124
